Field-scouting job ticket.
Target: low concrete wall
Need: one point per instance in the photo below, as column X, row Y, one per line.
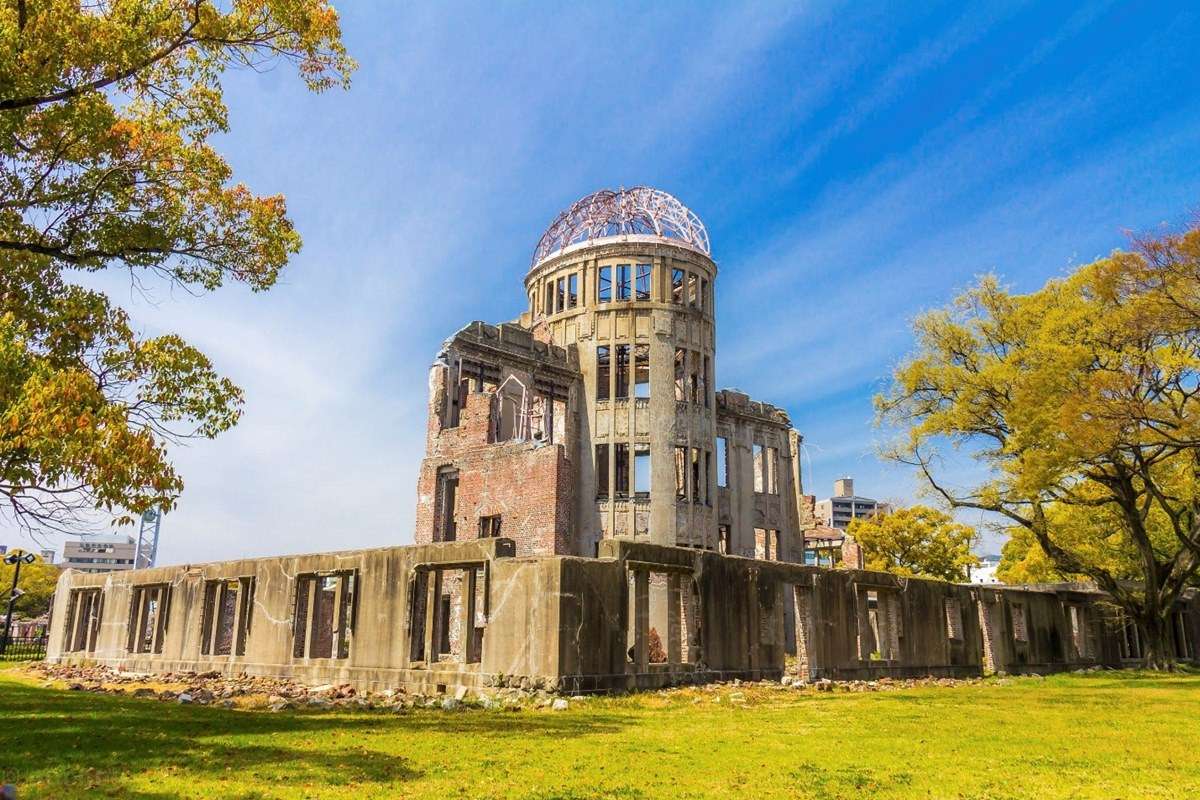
column 436, row 616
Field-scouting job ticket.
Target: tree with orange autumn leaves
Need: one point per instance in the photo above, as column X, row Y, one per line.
column 106, row 111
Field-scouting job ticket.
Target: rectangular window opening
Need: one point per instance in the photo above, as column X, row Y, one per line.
column 445, row 526
column 325, row 610
column 759, row 476
column 489, row 526
column 681, row 491
column 603, row 369
column 621, row 457
column 693, row 290
column 624, row 282
column 560, row 295
column 641, row 370
column 642, row 285
column 707, row 476
column 697, row 485
column 225, row 616
column 84, row 610
column 148, row 614
column 572, row 290
column 771, row 456
column 622, row 367
column 678, row 277
column 604, row 285
column 680, row 374
column 641, row 470
column 602, row 471
column 722, row 462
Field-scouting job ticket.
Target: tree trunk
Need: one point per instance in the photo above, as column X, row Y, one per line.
column 1158, row 650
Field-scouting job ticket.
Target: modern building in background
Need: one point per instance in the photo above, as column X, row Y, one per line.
column 845, row 505
column 100, row 553
column 985, row 573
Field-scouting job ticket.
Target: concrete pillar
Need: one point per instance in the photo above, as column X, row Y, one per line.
column 467, row 617
column 675, row 631
column 641, row 620
column 432, row 601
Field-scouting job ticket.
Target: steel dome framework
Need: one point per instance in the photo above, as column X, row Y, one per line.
column 641, row 210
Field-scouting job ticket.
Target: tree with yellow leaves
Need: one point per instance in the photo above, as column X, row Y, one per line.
column 916, row 541
column 37, row 583
column 1082, row 400
column 106, row 110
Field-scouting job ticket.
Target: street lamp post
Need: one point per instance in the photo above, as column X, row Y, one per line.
column 16, row 559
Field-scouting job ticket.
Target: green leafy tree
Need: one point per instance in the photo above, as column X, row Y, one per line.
column 37, row 582
column 916, row 541
column 106, row 111
column 1081, row 400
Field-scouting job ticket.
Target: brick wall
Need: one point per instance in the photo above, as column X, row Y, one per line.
column 528, row 484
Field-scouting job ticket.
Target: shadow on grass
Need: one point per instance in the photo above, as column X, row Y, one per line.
column 81, row 742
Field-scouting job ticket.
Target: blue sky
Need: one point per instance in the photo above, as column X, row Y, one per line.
column 855, row 164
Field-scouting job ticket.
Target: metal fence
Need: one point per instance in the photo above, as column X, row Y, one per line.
column 23, row 648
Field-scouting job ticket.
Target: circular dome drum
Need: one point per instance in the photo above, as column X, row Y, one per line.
column 641, row 210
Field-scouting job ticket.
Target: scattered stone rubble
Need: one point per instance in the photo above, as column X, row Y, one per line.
column 274, row 694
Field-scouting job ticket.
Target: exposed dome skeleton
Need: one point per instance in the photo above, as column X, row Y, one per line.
column 640, row 210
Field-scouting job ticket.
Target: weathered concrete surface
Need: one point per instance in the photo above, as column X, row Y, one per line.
column 465, row 614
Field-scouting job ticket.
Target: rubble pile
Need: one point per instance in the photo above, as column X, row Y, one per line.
column 276, row 694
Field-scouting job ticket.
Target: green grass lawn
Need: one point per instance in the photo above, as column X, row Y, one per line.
column 1102, row 735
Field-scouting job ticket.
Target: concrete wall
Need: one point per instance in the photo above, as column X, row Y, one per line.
column 472, row 613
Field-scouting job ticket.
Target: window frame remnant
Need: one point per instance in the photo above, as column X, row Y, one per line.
column 603, row 371
column 622, row 369
column 85, row 611
column 641, row 285
column 445, row 528
column 708, row 501
column 641, row 371
column 602, row 464
column 149, row 613
column 641, row 470
column 604, row 285
column 431, row 619
column 681, row 374
column 624, row 282
column 489, row 526
column 771, row 469
column 722, row 445
column 622, row 463
column 325, row 612
column 681, row 481
column 678, row 284
column 756, row 450
column 226, row 616
column 573, row 290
